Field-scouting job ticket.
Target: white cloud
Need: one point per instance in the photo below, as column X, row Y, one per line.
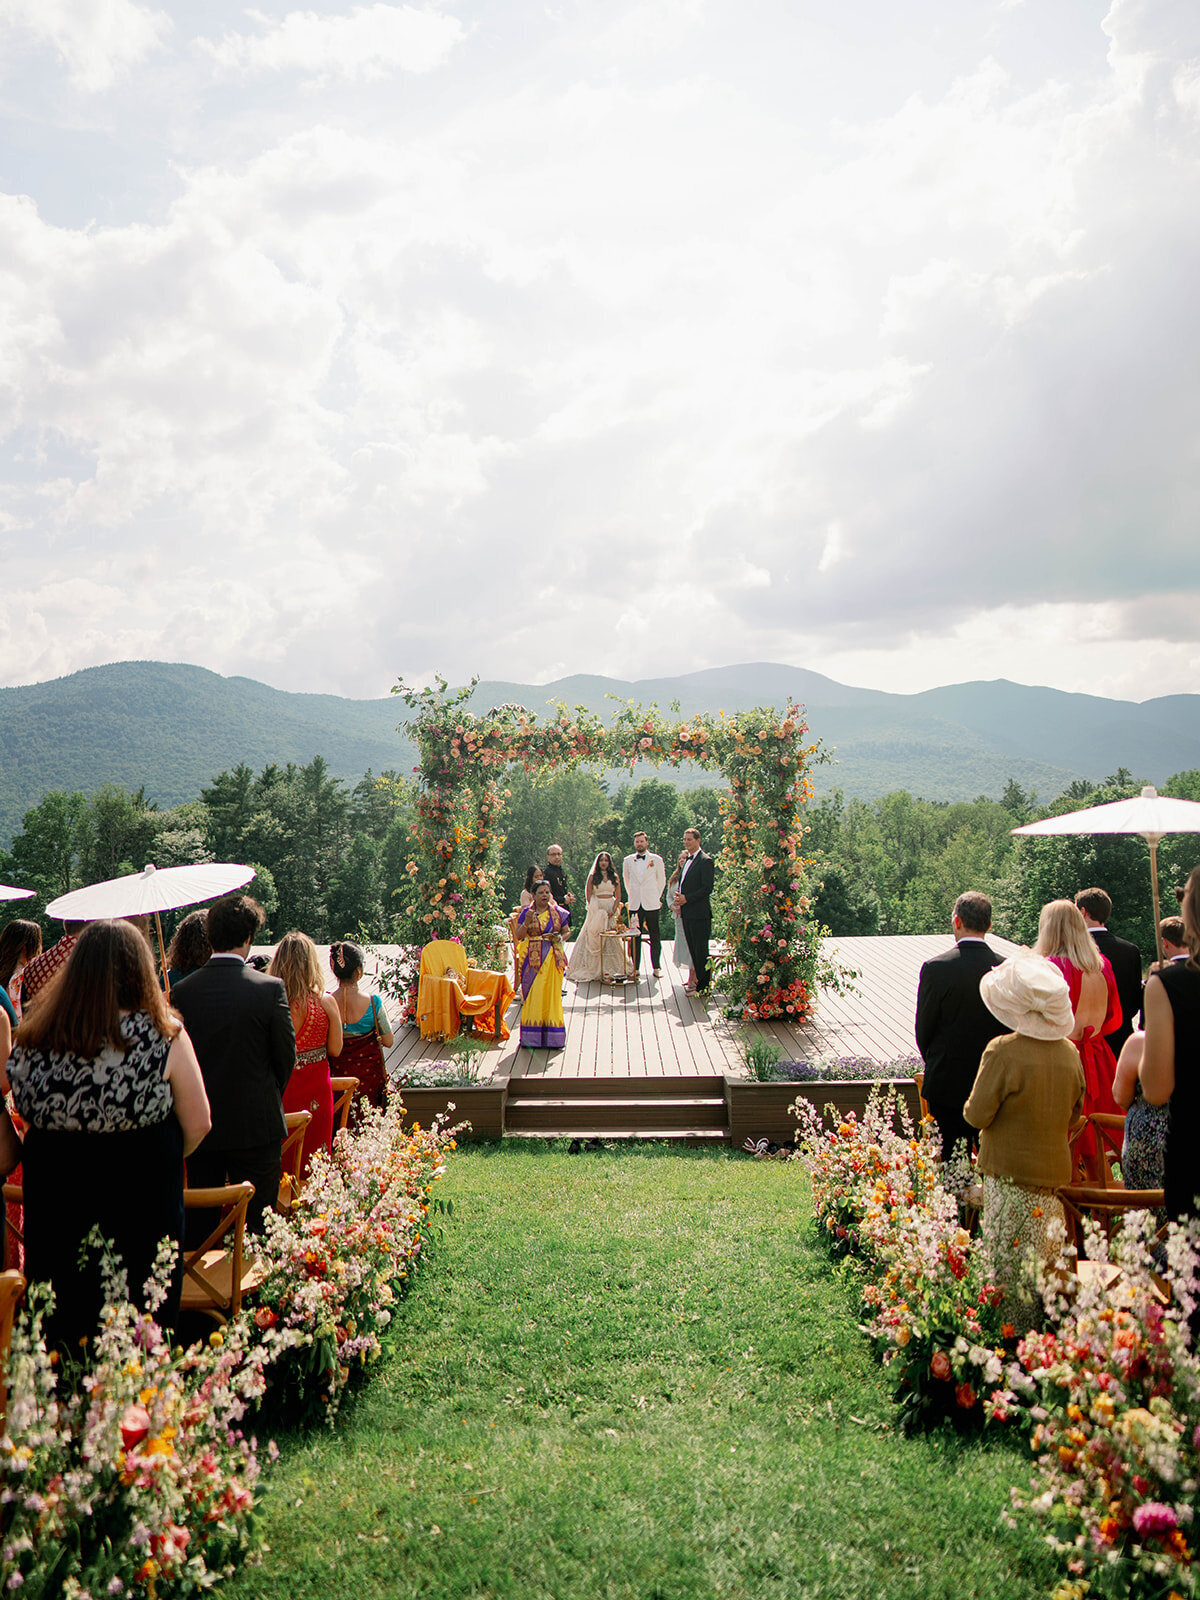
column 371, row 42
column 98, row 40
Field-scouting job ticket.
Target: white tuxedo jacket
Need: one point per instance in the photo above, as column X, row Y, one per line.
column 644, row 881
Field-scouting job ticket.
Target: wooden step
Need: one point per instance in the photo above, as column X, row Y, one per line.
column 608, row 1088
column 625, row 1111
column 675, row 1135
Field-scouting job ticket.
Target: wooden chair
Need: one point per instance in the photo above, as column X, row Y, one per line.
column 12, row 1287
column 1108, row 1134
column 14, row 1236
column 344, row 1090
column 216, row 1274
column 291, row 1155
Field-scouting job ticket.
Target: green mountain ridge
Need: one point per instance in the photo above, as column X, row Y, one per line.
column 172, row 727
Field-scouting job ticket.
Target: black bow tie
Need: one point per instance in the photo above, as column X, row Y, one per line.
column 641, row 856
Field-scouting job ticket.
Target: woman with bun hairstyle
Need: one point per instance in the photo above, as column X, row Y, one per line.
column 318, row 1036
column 366, row 1031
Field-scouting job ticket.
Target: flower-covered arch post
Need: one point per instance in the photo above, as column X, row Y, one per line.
column 773, row 965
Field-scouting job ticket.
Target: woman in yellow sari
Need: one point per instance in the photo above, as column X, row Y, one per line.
column 540, row 929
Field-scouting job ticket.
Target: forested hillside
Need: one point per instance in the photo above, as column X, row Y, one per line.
column 167, row 729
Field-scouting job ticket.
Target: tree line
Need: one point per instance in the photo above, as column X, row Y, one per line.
column 331, row 857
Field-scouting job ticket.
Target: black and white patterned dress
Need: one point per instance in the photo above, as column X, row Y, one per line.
column 104, row 1149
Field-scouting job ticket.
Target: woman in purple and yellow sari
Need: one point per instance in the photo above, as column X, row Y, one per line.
column 540, row 929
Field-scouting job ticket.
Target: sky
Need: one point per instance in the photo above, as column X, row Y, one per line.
column 370, row 341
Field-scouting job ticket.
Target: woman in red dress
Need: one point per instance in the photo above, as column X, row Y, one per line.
column 1064, row 939
column 318, row 1036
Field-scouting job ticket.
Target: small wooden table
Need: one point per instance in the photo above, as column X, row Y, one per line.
column 628, row 935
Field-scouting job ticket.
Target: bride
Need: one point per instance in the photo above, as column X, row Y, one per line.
column 594, row 956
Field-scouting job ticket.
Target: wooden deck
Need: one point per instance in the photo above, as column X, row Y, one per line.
column 652, row 1029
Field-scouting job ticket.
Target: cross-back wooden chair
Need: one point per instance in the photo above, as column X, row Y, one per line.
column 14, row 1234
column 291, row 1156
column 216, row 1274
column 12, row 1287
column 1103, row 1131
column 344, row 1090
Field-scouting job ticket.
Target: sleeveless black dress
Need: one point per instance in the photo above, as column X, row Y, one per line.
column 104, row 1149
column 1182, row 1179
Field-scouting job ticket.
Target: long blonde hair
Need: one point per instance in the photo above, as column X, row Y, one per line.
column 1190, row 908
column 297, row 963
column 1063, row 932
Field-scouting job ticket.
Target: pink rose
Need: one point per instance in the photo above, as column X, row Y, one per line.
column 940, row 1365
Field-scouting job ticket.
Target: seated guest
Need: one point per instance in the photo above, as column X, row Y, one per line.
column 318, row 1036
column 1169, row 1068
column 43, row 967
column 242, row 1030
column 1027, row 1095
column 189, row 949
column 366, row 1031
column 110, row 1088
column 20, row 941
column 1143, row 1153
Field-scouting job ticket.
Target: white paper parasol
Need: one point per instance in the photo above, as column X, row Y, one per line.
column 7, row 892
column 1151, row 814
column 146, row 893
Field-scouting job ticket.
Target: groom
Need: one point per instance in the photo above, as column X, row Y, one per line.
column 645, row 878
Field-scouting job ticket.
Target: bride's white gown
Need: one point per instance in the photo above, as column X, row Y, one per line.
column 593, row 956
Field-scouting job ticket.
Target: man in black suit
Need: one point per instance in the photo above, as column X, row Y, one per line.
column 693, row 903
column 555, row 875
column 239, row 1021
column 1124, row 958
column 953, row 1024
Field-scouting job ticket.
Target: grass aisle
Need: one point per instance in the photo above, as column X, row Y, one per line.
column 630, row 1373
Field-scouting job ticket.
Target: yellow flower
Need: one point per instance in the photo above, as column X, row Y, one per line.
column 216, row 1339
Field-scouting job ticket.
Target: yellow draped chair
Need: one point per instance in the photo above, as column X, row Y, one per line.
column 449, row 989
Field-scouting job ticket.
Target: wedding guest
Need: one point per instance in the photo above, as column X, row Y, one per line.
column 189, row 949
column 532, row 878
column 1125, row 959
column 953, row 1026
column 557, row 877
column 1170, row 1060
column 43, row 967
column 1063, row 939
column 1143, row 1152
column 540, row 931
column 108, row 1083
column 318, row 1036
column 20, row 942
column 366, row 1031
column 1027, row 1095
column 242, row 1030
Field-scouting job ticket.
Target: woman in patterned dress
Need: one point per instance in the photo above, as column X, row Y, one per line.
column 540, row 929
column 108, row 1084
column 318, row 1037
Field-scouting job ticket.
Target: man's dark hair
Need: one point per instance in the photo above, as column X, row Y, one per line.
column 695, row 833
column 974, row 910
column 1095, row 903
column 233, row 921
column 1173, row 931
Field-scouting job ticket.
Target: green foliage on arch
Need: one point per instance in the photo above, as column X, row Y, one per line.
column 773, row 966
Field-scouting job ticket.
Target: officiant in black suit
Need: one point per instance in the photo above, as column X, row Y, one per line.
column 953, row 1025
column 693, row 904
column 239, row 1021
column 1124, row 958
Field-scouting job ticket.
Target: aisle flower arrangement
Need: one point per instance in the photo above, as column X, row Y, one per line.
column 140, row 1477
column 928, row 1304
column 337, row 1263
column 1108, row 1394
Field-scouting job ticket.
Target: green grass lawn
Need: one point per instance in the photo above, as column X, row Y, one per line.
column 631, row 1373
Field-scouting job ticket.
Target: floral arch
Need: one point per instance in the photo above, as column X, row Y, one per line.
column 773, row 964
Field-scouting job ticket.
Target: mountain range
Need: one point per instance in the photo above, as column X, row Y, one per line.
column 171, row 728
